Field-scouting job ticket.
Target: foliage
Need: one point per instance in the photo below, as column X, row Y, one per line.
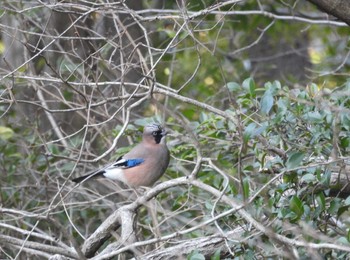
column 248, row 132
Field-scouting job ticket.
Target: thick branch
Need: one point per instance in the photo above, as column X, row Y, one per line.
column 113, row 222
column 37, row 246
column 236, row 207
column 206, row 245
column 337, row 8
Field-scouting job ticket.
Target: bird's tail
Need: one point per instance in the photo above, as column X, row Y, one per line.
column 88, row 176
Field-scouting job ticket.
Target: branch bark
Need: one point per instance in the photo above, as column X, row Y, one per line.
column 114, row 221
column 337, row 8
column 206, row 245
column 38, row 246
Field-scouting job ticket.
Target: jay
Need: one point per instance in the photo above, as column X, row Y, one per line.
column 143, row 165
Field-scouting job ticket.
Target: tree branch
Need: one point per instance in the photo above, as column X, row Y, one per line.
column 38, row 246
column 337, row 8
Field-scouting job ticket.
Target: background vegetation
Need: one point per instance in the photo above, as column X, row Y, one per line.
column 255, row 95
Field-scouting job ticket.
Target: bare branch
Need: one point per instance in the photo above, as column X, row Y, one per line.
column 38, row 246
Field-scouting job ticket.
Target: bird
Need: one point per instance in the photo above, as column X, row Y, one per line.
column 141, row 166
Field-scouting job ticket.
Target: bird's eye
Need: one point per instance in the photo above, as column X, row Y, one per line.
column 154, row 133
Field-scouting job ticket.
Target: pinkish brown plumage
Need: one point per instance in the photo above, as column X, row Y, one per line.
column 143, row 165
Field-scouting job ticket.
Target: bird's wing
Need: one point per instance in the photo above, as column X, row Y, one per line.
column 112, row 168
column 126, row 163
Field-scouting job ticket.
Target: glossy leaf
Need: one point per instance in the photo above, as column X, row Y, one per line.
column 249, row 85
column 233, row 86
column 246, row 189
column 195, row 255
column 296, row 205
column 294, row 160
column 309, row 177
column 6, row 133
column 266, row 102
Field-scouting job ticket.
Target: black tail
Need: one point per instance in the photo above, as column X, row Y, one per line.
column 88, row 176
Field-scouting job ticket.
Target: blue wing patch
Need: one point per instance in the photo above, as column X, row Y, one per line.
column 134, row 162
column 128, row 163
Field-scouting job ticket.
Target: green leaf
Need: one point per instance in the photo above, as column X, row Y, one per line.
column 233, row 86
column 313, row 116
column 246, row 191
column 248, row 132
column 313, row 89
column 203, row 117
column 266, row 102
column 345, row 142
column 216, row 255
column 347, row 201
column 309, row 177
column 294, row 160
column 321, row 200
column 326, row 178
column 342, row 240
column 249, row 85
column 276, row 85
column 296, row 205
column 53, row 148
column 195, row 255
column 252, row 130
column 334, row 206
column 170, row 33
column 6, row 133
column 282, row 105
column 342, row 210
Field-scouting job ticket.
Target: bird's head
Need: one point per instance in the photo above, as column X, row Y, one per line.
column 154, row 133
